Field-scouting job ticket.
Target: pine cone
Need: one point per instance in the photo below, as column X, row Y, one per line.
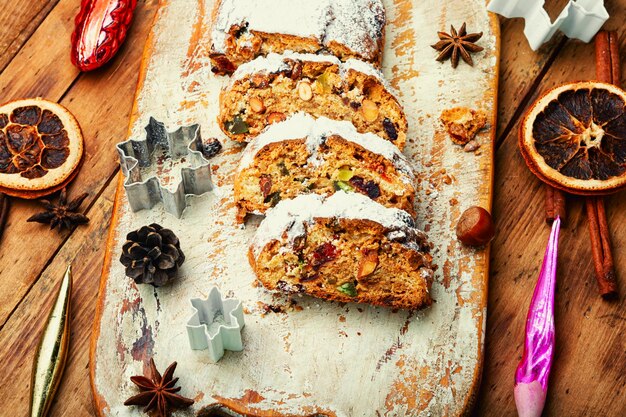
column 152, row 255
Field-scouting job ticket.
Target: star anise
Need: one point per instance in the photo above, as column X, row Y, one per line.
column 158, row 392
column 454, row 44
column 61, row 213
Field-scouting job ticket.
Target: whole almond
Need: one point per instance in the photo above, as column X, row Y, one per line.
column 370, row 110
column 304, row 91
column 368, row 263
column 257, row 105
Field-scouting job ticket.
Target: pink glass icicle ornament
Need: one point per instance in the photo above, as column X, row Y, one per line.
column 531, row 376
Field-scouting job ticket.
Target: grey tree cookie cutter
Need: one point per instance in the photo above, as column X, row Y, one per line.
column 149, row 181
column 216, row 324
column 580, row 19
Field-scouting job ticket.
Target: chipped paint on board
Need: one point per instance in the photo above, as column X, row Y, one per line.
column 415, row 364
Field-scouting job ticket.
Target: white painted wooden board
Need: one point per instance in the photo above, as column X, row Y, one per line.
column 319, row 357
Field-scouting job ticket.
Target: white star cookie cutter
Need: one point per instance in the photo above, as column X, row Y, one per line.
column 216, row 325
column 580, row 19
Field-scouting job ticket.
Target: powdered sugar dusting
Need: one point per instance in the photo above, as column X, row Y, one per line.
column 356, row 24
column 273, row 63
column 289, row 219
column 304, row 126
column 365, row 68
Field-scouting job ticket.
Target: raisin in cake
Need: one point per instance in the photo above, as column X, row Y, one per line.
column 269, row 89
column 245, row 29
column 345, row 247
column 306, row 155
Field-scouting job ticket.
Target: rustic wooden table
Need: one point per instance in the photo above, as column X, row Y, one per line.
column 588, row 378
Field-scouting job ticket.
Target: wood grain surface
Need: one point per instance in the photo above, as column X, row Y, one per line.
column 588, row 378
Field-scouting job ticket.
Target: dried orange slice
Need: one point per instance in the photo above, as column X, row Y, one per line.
column 41, row 146
column 574, row 138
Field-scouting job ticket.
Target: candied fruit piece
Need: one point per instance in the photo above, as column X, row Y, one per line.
column 211, row 148
column 322, row 83
column 325, row 252
column 342, row 185
column 237, row 126
column 345, row 174
column 283, row 169
column 273, row 198
column 4, row 120
column 265, row 184
column 369, row 188
column 390, row 129
column 348, row 289
column 222, row 65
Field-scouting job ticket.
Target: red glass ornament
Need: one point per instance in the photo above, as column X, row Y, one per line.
column 101, row 27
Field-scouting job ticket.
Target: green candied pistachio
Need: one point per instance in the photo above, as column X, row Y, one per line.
column 273, row 198
column 348, row 289
column 236, row 126
column 345, row 174
column 301, row 265
column 342, row 185
column 283, row 169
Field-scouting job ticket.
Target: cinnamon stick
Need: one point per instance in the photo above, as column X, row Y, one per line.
column 555, row 204
column 4, row 212
column 607, row 57
column 601, row 247
column 607, row 70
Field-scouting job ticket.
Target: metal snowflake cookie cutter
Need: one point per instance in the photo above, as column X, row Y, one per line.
column 164, row 167
column 580, row 19
column 216, row 324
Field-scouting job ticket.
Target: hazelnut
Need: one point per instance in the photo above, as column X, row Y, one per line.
column 275, row 117
column 304, row 91
column 256, row 104
column 475, row 227
column 368, row 263
column 370, row 110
